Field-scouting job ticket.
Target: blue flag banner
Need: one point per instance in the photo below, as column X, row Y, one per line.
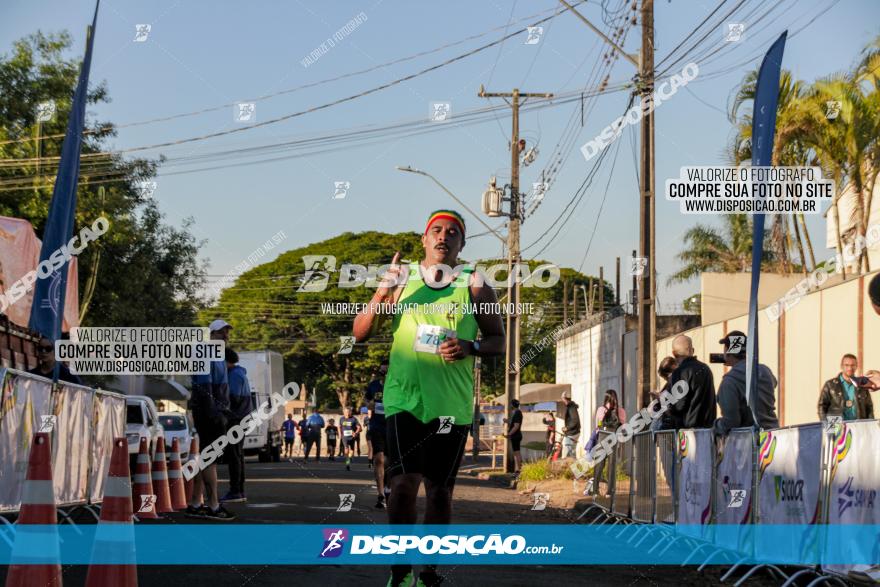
column 455, row 544
column 47, row 310
column 763, row 132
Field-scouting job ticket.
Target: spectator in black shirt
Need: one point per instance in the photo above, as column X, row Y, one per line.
column 514, row 433
column 46, row 363
column 697, row 409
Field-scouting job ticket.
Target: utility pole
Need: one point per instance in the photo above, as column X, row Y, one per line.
column 601, row 289
column 511, row 382
column 646, row 291
column 617, row 282
column 565, row 300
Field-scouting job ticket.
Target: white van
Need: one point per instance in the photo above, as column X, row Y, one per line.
column 141, row 420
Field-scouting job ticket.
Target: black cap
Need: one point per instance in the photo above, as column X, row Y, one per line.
column 514, row 403
column 726, row 340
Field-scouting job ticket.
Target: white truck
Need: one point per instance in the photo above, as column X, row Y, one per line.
column 265, row 370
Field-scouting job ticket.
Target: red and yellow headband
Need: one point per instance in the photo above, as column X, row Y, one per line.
column 447, row 215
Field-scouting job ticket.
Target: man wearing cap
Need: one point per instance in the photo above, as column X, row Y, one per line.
column 733, row 395
column 428, row 392
column 209, row 403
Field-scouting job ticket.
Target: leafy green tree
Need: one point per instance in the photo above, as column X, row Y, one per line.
column 268, row 312
column 142, row 271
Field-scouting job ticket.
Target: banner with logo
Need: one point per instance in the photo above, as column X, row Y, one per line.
column 25, row 398
column 696, row 450
column 734, row 501
column 853, row 492
column 108, row 422
column 789, row 484
column 71, row 439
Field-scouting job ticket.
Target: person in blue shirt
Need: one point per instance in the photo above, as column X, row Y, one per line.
column 312, row 435
column 240, row 405
column 289, row 429
column 209, row 403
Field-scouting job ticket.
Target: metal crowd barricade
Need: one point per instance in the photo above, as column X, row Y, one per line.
column 643, row 477
column 664, row 477
column 621, row 499
column 86, row 421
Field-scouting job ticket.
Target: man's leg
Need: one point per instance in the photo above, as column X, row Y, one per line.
column 318, row 449
column 210, row 478
column 234, row 463
column 446, row 452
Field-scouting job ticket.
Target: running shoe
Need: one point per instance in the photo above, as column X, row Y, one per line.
column 405, row 582
column 233, row 498
column 221, row 513
column 381, row 503
column 348, row 464
column 197, row 512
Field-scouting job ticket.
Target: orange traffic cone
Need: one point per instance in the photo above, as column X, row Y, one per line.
column 160, row 479
column 114, row 537
column 193, row 452
column 143, row 485
column 31, row 566
column 175, row 478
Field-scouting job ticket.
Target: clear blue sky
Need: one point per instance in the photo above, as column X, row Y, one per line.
column 200, row 55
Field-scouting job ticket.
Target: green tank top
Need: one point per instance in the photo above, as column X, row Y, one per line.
column 420, row 383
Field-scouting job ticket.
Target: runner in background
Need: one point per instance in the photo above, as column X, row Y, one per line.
column 332, row 434
column 366, row 428
column 429, row 392
column 288, row 427
column 376, row 431
column 350, row 429
column 303, row 427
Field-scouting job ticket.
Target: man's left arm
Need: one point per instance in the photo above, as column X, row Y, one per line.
column 490, row 323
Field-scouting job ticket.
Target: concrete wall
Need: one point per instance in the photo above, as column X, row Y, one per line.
column 804, row 347
column 726, row 295
column 594, row 360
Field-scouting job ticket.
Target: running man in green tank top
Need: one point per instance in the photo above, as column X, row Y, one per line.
column 429, row 388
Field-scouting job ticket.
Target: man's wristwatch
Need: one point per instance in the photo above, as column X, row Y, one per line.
column 475, row 348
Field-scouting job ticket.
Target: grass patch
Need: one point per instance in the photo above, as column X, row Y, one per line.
column 544, row 470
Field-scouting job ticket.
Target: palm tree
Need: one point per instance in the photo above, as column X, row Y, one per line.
column 726, row 251
column 795, row 120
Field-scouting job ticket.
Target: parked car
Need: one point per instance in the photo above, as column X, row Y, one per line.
column 177, row 425
column 141, row 420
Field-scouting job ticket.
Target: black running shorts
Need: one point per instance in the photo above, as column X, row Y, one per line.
column 414, row 447
column 515, row 440
column 377, row 441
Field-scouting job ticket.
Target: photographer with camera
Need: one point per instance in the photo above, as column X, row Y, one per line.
column 732, row 393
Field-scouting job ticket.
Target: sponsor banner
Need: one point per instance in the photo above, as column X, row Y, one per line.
column 733, row 486
column 25, row 399
column 309, row 544
column 695, row 462
column 854, row 489
column 789, row 483
column 71, row 440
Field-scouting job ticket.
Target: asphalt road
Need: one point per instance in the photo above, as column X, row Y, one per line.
column 307, row 493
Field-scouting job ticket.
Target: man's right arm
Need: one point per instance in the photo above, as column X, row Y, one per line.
column 727, row 401
column 367, row 322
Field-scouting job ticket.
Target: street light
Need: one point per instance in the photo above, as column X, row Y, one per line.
column 409, row 169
